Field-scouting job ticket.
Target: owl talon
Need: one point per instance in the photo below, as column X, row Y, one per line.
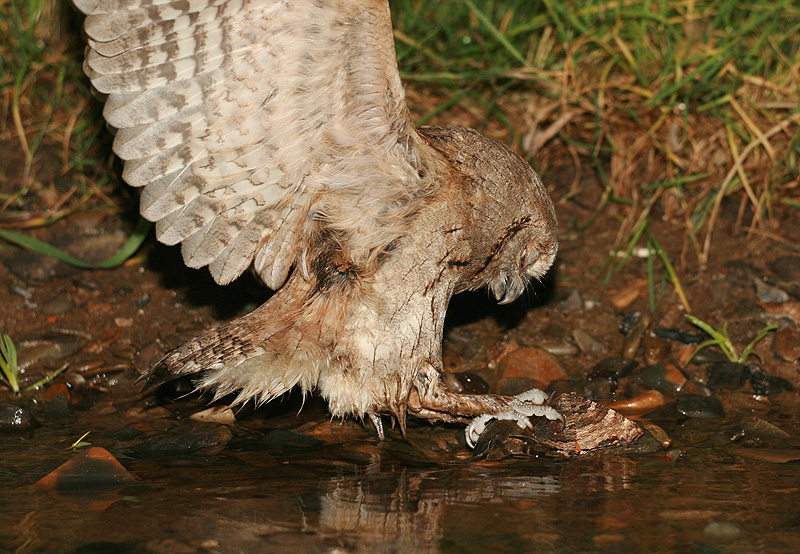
column 523, row 406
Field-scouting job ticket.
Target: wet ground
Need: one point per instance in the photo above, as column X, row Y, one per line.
column 717, row 469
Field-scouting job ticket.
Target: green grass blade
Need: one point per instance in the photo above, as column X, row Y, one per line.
column 501, row 38
column 35, row 245
column 8, row 362
column 749, row 348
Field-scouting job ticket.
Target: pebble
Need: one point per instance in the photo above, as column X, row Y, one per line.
column 215, row 414
column 769, row 294
column 512, row 386
column 176, row 443
column 722, row 529
column 613, row 367
column 558, row 347
column 786, row 268
column 641, row 404
column 16, row 419
column 587, row 343
column 59, row 304
column 465, row 382
column 627, row 296
column 726, row 376
column 571, row 303
column 700, row 407
column 629, row 322
column 786, row 344
column 683, row 337
column 535, row 364
column 765, row 384
column 655, row 349
column 665, row 377
column 634, row 338
column 53, row 346
column 95, row 468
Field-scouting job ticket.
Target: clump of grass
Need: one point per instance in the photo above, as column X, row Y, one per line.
column 694, row 100
column 51, row 132
column 720, row 337
column 8, row 362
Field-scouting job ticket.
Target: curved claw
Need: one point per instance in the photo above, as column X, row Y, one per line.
column 524, row 406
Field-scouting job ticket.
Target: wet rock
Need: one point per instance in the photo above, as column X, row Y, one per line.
column 59, row 304
column 571, row 303
column 700, row 407
column 215, row 414
column 535, row 364
column 683, row 337
column 653, row 439
column 95, row 468
column 16, row 419
column 726, row 376
column 785, row 268
column 722, row 530
column 727, row 435
column 55, row 345
column 180, row 443
column 587, row 343
column 655, row 349
column 613, row 368
column 768, row 294
column 629, row 322
column 642, row 404
column 626, row 296
column 281, row 441
column 599, row 389
column 57, row 408
column 765, row 384
column 465, row 382
column 30, row 267
column 512, row 386
column 786, row 344
column 664, row 377
column 634, row 338
column 769, row 455
column 558, row 347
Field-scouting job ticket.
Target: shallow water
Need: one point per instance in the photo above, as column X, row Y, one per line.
column 363, row 496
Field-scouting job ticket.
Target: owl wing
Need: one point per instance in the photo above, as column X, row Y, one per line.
column 249, row 122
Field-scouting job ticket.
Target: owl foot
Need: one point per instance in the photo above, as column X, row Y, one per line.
column 429, row 399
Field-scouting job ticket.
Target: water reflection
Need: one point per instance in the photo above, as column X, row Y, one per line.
column 325, row 503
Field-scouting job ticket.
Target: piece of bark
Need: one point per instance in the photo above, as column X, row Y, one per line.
column 589, row 427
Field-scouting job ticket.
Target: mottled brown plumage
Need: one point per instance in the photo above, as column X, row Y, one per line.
column 275, row 134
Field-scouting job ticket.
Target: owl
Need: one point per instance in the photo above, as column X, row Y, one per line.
column 274, row 134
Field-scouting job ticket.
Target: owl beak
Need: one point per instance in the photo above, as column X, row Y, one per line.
column 508, row 288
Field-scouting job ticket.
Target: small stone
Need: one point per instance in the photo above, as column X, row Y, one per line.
column 786, row 344
column 571, row 303
column 586, row 343
column 655, row 349
column 96, row 468
column 613, row 367
column 123, row 322
column 629, row 322
column 722, row 529
column 215, row 414
column 59, row 304
column 512, row 386
column 700, row 407
column 627, row 296
column 726, row 376
column 765, row 384
column 558, row 347
column 16, row 419
column 665, row 377
column 535, row 364
column 769, row 455
column 634, row 338
column 683, row 337
column 768, row 294
column 785, row 268
column 641, row 404
column 465, row 382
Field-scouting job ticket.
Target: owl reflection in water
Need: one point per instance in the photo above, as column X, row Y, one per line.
column 275, row 134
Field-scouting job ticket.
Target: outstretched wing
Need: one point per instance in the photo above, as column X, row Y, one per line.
column 248, row 122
